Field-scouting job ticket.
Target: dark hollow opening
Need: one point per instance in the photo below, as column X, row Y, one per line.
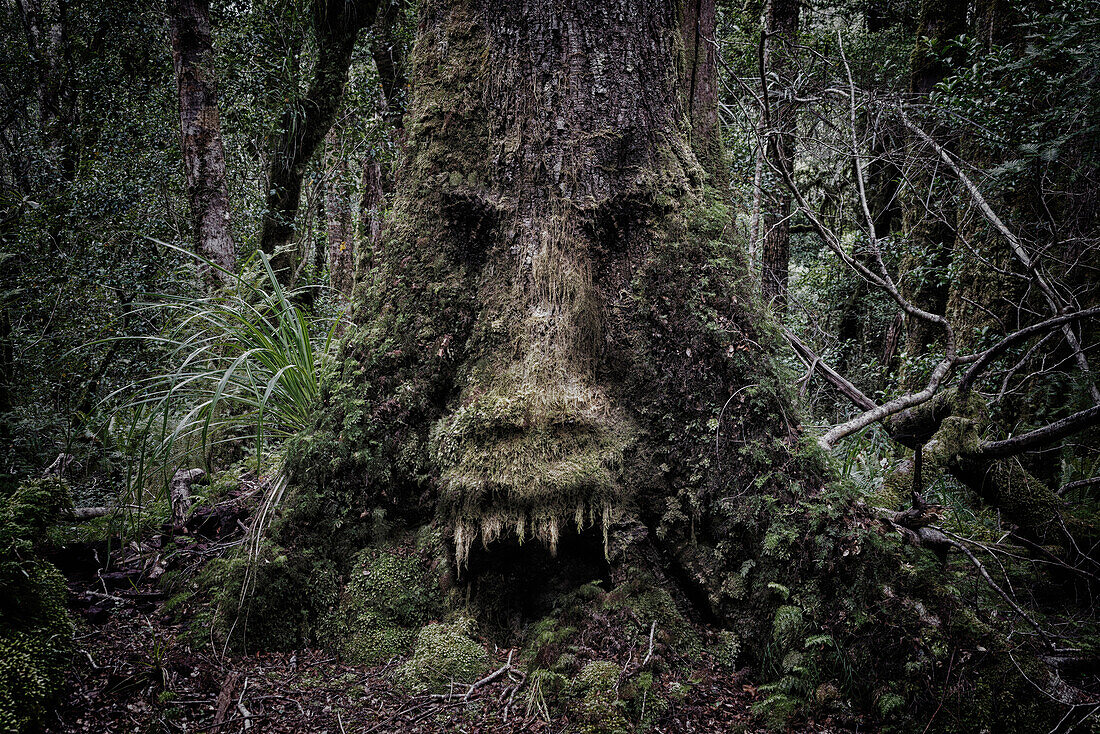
column 510, row 585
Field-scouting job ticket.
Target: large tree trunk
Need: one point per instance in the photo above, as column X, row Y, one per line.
column 557, row 376
column 201, row 137
column 780, row 111
column 548, row 291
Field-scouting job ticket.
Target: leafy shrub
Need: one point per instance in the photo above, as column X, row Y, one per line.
column 35, row 633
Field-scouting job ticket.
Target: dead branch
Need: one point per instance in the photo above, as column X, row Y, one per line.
column 1039, row 437
column 838, row 381
column 225, row 697
column 179, row 494
column 984, row 359
column 471, row 687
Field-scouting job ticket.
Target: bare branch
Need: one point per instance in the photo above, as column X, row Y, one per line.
column 888, row 409
column 1059, row 429
column 967, row 381
column 1057, row 303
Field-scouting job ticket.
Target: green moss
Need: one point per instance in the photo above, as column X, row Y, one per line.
column 283, row 594
column 728, row 649
column 647, row 604
column 529, row 462
column 35, row 631
column 387, row 599
column 444, row 654
column 596, row 702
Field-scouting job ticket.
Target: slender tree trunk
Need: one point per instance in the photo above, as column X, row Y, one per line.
column 200, row 136
column 338, row 216
column 782, row 32
column 764, row 61
column 336, row 24
column 46, row 28
column 930, row 231
column 389, row 54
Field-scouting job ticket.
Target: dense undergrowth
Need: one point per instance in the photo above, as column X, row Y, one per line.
column 35, row 631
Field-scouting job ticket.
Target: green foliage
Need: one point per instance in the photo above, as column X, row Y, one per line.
column 267, row 601
column 245, row 365
column 35, row 632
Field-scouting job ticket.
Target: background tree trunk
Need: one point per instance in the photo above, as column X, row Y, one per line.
column 338, row 216
column 930, row 231
column 201, row 137
column 336, row 25
column 782, row 32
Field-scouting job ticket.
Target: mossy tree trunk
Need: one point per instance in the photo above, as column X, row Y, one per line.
column 338, row 214
column 557, row 335
column 559, row 345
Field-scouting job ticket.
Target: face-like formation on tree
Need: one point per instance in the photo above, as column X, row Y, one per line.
column 577, row 155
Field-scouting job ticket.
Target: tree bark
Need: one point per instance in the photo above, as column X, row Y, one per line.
column 201, row 138
column 336, row 26
column 782, row 32
column 338, row 216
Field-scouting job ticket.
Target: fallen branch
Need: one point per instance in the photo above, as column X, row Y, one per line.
column 452, row 696
column 836, row 379
column 225, row 696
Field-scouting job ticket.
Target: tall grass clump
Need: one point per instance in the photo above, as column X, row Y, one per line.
column 242, row 366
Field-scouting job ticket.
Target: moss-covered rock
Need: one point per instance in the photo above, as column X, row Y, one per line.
column 388, row 598
column 596, row 704
column 269, row 602
column 444, row 654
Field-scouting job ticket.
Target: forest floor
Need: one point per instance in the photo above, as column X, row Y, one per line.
column 138, row 668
